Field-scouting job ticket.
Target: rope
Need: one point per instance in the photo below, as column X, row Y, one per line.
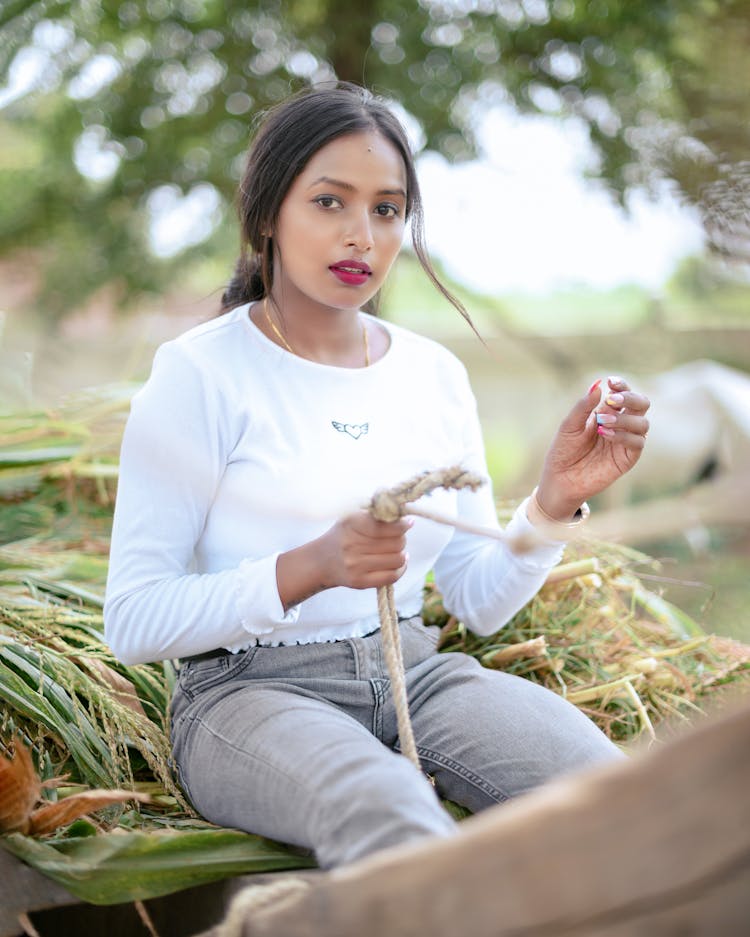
column 253, row 898
column 390, row 635
column 388, row 505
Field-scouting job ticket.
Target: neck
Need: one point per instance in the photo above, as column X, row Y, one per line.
column 322, row 334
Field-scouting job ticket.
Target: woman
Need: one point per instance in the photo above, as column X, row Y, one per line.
column 240, row 545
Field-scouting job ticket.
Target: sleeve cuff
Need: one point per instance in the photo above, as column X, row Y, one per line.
column 257, row 595
column 545, row 554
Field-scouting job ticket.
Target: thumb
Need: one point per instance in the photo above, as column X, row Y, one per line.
column 579, row 417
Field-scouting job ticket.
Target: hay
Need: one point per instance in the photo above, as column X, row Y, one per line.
column 622, row 654
column 594, row 633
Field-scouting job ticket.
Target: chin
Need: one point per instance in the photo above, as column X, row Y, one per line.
column 354, row 301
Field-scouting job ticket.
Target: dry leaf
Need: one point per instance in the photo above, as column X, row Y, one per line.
column 20, row 789
column 47, row 818
column 536, row 647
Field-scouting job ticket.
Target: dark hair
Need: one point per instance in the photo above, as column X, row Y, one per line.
column 289, row 135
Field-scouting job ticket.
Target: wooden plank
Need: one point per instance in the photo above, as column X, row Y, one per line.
column 23, row 889
column 174, row 915
column 657, row 845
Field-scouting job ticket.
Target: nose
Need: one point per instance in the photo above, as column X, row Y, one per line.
column 359, row 232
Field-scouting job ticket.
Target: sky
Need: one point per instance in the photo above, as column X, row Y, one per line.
column 525, row 218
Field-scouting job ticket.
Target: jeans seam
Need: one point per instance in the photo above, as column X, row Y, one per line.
column 463, row 772
column 380, row 694
column 354, row 648
column 185, row 724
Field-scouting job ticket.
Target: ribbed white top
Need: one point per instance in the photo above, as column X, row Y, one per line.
column 237, row 450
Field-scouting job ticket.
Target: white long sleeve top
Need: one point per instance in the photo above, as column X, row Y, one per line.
column 236, row 450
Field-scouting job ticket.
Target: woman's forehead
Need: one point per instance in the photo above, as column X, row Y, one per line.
column 364, row 156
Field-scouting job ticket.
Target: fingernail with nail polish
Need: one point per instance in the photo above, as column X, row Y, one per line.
column 603, row 418
column 614, row 380
column 593, row 387
column 615, row 400
column 603, row 431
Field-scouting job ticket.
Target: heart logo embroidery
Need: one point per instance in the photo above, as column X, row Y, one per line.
column 355, row 430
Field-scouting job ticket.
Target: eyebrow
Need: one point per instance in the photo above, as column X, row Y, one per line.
column 350, row 188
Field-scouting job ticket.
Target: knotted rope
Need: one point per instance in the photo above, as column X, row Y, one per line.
column 388, row 505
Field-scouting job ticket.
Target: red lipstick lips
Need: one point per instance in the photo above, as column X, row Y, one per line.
column 351, row 272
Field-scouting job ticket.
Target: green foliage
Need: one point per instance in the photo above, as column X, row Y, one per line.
column 132, row 865
column 409, row 299
column 48, row 457
column 701, row 283
column 661, row 86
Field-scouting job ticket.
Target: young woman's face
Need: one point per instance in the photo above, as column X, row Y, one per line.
column 341, row 224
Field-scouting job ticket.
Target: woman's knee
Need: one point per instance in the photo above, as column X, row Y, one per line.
column 376, row 809
column 494, row 736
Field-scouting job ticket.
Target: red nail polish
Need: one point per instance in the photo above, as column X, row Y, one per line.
column 604, row 431
column 593, row 387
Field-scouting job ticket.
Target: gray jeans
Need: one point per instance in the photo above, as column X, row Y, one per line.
column 297, row 743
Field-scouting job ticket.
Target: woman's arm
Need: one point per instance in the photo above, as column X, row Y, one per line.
column 357, row 551
column 175, row 448
column 484, row 583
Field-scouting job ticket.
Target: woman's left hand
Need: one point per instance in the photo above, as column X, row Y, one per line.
column 586, row 456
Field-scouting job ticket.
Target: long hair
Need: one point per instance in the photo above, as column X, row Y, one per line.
column 289, row 135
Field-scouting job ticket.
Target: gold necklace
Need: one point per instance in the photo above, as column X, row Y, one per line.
column 276, row 331
column 367, row 344
column 285, row 342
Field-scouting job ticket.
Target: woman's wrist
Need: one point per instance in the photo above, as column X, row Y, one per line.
column 558, row 524
column 556, row 508
column 299, row 574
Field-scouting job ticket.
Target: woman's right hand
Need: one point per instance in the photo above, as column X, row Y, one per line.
column 357, row 551
column 363, row 553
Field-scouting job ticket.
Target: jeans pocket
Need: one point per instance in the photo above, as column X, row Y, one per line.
column 198, row 675
column 419, row 641
column 431, row 633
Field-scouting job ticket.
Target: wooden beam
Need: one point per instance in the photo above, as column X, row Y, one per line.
column 23, row 889
column 657, row 845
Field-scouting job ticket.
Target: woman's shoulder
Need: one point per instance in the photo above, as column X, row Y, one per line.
column 423, row 351
column 205, row 356
column 221, row 330
column 208, row 345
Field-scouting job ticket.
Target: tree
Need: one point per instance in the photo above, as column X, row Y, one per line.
column 139, row 102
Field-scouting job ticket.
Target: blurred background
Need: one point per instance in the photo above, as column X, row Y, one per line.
column 586, row 181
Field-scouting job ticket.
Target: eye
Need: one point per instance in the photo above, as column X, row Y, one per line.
column 327, row 202
column 388, row 210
